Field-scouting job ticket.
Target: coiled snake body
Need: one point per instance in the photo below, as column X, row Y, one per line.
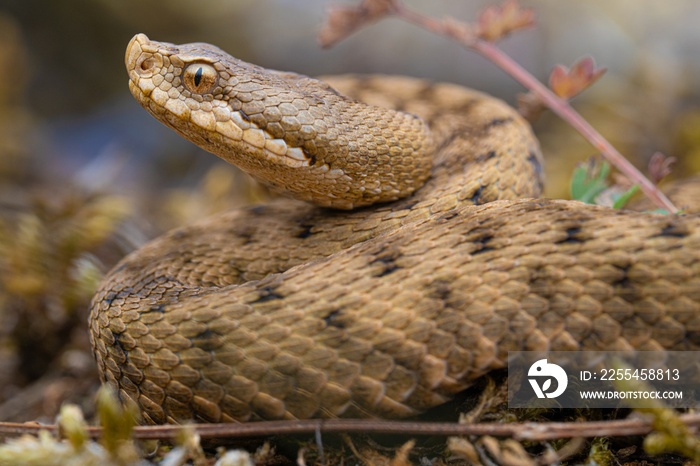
column 291, row 310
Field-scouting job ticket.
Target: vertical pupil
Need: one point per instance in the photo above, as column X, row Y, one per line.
column 198, row 76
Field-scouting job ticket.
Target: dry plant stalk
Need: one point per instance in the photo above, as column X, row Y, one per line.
column 494, row 23
column 533, row 431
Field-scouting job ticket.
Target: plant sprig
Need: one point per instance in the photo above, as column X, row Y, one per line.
column 588, row 183
column 494, row 23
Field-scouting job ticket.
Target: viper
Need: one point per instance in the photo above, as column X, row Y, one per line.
column 414, row 254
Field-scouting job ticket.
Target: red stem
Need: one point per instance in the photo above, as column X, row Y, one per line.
column 558, row 105
column 562, row 108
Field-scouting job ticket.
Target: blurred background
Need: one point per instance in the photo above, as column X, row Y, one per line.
column 86, row 175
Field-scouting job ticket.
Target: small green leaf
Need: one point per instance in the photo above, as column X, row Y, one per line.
column 584, row 187
column 578, row 183
column 623, row 198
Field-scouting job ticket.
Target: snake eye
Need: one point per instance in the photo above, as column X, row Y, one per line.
column 200, row 78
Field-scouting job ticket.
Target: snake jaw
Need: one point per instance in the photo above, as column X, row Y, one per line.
column 291, row 132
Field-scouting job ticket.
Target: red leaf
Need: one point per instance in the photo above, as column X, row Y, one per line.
column 495, row 22
column 559, row 81
column 343, row 20
column 660, row 166
column 567, row 83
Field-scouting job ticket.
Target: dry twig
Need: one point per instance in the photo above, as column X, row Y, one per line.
column 533, row 431
column 494, row 23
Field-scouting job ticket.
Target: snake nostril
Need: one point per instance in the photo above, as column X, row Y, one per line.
column 148, row 64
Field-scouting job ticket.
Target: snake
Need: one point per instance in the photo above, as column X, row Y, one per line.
column 410, row 252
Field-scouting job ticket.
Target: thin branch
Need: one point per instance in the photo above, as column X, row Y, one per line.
column 493, row 23
column 533, row 431
column 562, row 108
column 558, row 105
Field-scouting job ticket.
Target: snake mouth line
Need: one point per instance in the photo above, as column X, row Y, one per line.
column 239, row 129
column 235, row 126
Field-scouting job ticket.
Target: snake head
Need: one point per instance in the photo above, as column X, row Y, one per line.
column 293, row 133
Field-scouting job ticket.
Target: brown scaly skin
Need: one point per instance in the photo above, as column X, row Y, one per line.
column 293, row 311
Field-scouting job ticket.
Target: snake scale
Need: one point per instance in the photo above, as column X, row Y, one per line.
column 424, row 257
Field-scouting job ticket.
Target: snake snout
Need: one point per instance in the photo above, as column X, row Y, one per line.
column 140, row 59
